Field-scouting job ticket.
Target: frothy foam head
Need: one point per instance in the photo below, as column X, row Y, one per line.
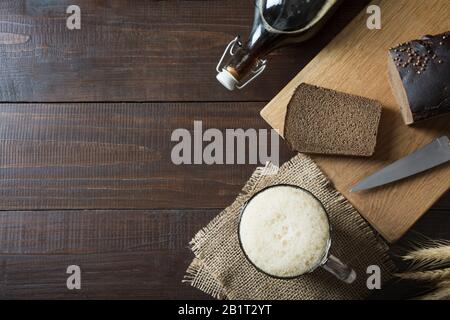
column 284, row 231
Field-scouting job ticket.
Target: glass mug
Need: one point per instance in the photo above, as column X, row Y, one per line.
column 286, row 217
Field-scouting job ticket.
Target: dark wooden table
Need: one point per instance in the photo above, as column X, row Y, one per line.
column 85, row 123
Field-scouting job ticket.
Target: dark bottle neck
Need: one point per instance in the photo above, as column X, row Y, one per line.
column 259, row 44
column 262, row 42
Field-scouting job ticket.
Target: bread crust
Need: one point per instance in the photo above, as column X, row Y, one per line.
column 419, row 74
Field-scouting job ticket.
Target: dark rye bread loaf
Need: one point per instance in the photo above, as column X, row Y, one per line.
column 324, row 121
column 419, row 73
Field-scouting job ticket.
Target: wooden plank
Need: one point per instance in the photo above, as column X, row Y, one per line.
column 356, row 62
column 115, row 156
column 122, row 254
column 434, row 225
column 135, row 50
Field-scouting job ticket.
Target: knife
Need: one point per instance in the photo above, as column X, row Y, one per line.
column 430, row 156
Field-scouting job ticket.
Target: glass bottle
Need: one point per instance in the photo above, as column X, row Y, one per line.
column 277, row 23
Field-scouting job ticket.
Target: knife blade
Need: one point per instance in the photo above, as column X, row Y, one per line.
column 430, row 156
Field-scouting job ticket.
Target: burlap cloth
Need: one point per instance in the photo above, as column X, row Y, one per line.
column 221, row 269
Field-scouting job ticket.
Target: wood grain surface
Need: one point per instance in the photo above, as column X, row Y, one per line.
column 356, row 62
column 132, row 254
column 115, row 156
column 141, row 50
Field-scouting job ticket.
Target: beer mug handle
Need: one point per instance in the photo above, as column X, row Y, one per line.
column 339, row 269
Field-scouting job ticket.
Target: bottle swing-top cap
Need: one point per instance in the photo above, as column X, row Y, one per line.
column 226, row 78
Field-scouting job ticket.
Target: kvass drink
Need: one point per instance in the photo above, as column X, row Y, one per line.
column 284, row 231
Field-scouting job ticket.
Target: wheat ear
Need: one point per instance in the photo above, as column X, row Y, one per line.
column 433, row 275
column 442, row 292
column 437, row 254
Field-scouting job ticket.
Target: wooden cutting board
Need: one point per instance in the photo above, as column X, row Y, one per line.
column 356, row 62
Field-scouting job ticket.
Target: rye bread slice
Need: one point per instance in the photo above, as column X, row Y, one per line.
column 325, row 121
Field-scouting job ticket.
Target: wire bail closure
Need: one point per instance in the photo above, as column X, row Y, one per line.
column 231, row 50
